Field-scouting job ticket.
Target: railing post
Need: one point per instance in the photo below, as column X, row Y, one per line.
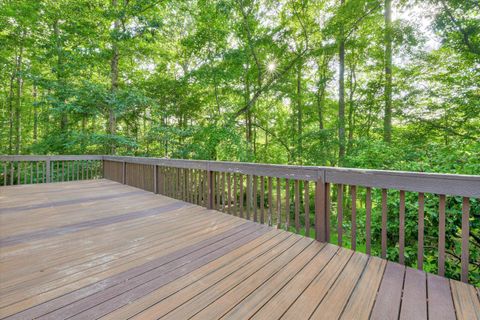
column 47, row 171
column 210, row 189
column 321, row 189
column 124, row 172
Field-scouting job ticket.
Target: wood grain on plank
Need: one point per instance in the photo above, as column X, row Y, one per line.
column 333, row 303
column 440, row 304
column 465, row 299
column 306, row 303
column 361, row 301
column 387, row 304
column 414, row 300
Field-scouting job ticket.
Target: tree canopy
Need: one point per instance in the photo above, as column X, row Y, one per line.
column 364, row 83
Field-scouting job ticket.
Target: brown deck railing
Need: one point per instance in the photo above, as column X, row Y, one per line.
column 307, row 200
column 17, row 170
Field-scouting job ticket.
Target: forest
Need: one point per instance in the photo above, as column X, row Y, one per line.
column 384, row 84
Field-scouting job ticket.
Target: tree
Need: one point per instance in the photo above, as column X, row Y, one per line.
column 387, row 120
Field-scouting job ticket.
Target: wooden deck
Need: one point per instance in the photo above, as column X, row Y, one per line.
column 100, row 249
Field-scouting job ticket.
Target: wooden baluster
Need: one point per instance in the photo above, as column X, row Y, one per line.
column 248, row 197
column 19, row 172
column 270, row 206
column 297, row 206
column 25, row 175
column 384, row 223
column 441, row 236
column 340, row 214
column 201, row 181
column 235, row 181
column 240, row 178
column 368, row 221
column 78, row 170
column 307, row 208
column 4, row 174
column 198, row 189
column 279, row 205
column 44, row 174
column 206, row 188
column 63, row 171
column 171, row 181
column 287, row 203
column 162, row 180
column 421, row 225
column 262, row 200
column 211, row 189
column 178, row 178
column 36, row 173
column 183, row 185
column 255, row 189
column 155, row 179
column 327, row 212
column 223, row 191
column 187, row 184
column 465, row 237
column 401, row 236
column 353, row 192
column 229, row 185
column 218, row 193
column 12, row 172
column 192, row 185
column 216, row 188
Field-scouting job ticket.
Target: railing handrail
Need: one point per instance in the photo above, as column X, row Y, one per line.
column 435, row 183
column 51, row 158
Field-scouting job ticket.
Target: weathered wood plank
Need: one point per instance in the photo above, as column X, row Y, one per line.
column 414, row 300
column 363, row 297
column 465, row 300
column 332, row 305
column 387, row 304
column 306, row 303
column 440, row 304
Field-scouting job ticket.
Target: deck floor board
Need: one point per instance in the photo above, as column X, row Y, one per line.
column 100, row 249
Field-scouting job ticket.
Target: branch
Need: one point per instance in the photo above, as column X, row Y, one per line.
column 355, row 24
column 274, row 136
column 250, row 44
column 268, row 85
column 464, row 34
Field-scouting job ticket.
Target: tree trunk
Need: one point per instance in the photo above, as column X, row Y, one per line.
column 10, row 111
column 60, row 76
column 341, row 96
column 387, row 120
column 299, row 112
column 112, row 120
column 18, row 102
column 322, row 85
column 35, row 113
column 351, row 105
